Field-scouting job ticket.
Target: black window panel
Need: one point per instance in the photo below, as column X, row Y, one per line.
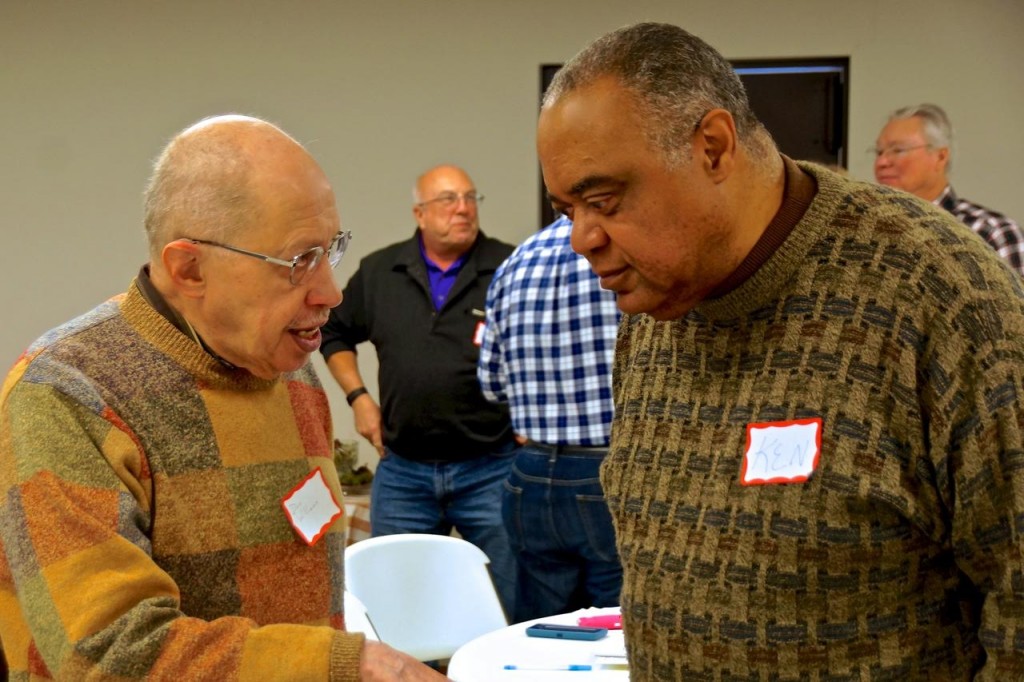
column 803, row 103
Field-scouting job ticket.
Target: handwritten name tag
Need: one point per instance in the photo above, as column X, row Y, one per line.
column 311, row 507
column 781, row 452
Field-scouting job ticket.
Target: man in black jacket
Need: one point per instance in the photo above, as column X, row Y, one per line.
column 444, row 449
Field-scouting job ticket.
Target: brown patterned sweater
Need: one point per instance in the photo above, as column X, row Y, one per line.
column 900, row 558
column 141, row 528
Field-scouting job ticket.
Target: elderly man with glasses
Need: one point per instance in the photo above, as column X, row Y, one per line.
column 445, row 451
column 914, row 152
column 169, row 499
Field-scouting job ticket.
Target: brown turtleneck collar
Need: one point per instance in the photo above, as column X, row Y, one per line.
column 797, row 194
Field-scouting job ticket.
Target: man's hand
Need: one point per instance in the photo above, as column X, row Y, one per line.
column 368, row 421
column 381, row 663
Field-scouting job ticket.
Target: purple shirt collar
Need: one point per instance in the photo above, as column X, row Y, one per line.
column 441, row 281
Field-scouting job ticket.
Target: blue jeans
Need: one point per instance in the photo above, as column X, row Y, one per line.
column 434, row 497
column 561, row 529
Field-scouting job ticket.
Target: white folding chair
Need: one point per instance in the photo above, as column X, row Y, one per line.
column 426, row 595
column 356, row 618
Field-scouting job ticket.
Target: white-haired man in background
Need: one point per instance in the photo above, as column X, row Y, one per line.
column 914, row 152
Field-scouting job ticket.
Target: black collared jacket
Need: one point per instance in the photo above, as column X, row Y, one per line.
column 430, row 398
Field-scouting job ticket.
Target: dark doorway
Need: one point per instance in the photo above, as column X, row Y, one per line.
column 803, row 103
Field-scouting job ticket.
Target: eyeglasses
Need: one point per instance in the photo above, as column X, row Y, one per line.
column 303, row 264
column 896, row 151
column 451, row 199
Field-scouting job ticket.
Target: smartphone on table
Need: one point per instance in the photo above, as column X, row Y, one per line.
column 556, row 631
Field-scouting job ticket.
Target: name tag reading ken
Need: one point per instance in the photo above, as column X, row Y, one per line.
column 311, row 507
column 781, row 452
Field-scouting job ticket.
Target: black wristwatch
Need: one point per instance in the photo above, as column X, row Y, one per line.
column 352, row 395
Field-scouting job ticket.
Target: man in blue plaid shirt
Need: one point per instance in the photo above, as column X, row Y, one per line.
column 547, row 351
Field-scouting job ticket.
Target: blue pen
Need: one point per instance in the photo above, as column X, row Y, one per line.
column 573, row 666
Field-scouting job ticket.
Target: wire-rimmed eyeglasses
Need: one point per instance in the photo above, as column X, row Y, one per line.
column 896, row 151
column 301, row 265
column 451, row 199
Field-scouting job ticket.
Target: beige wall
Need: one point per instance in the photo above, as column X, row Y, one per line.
column 91, row 89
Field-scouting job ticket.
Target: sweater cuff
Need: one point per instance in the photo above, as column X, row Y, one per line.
column 346, row 650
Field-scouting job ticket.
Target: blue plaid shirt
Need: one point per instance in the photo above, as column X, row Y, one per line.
column 548, row 342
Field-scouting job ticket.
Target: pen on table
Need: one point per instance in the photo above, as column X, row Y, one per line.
column 572, row 666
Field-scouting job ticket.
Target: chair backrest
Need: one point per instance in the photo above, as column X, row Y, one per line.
column 426, row 595
column 356, row 617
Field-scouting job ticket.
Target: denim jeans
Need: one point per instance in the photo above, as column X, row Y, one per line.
column 561, row 529
column 434, row 497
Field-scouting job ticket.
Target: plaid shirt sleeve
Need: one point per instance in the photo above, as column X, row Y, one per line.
column 490, row 369
column 1002, row 234
column 1005, row 237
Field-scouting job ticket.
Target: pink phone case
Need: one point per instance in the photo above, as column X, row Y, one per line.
column 612, row 621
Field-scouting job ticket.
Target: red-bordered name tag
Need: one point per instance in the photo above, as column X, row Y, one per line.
column 478, row 334
column 781, row 452
column 311, row 508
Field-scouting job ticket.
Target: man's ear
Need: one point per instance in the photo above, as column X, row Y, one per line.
column 182, row 263
column 943, row 158
column 715, row 140
column 417, row 213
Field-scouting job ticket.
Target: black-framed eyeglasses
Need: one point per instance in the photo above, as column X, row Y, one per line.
column 451, row 199
column 301, row 265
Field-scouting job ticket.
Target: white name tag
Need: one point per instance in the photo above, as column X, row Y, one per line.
column 781, row 452
column 311, row 507
column 478, row 333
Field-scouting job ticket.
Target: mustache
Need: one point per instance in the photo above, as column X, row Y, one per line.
column 319, row 321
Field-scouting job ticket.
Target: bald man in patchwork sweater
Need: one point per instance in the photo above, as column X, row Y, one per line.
column 170, row 507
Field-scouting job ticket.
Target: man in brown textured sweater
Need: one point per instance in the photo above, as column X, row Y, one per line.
column 817, row 461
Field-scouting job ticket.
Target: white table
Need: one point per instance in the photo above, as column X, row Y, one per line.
column 484, row 659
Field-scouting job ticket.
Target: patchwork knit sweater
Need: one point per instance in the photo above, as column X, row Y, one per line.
column 900, row 558
column 141, row 528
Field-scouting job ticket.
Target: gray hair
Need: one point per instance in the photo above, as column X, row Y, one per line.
column 938, row 131
column 201, row 185
column 676, row 77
